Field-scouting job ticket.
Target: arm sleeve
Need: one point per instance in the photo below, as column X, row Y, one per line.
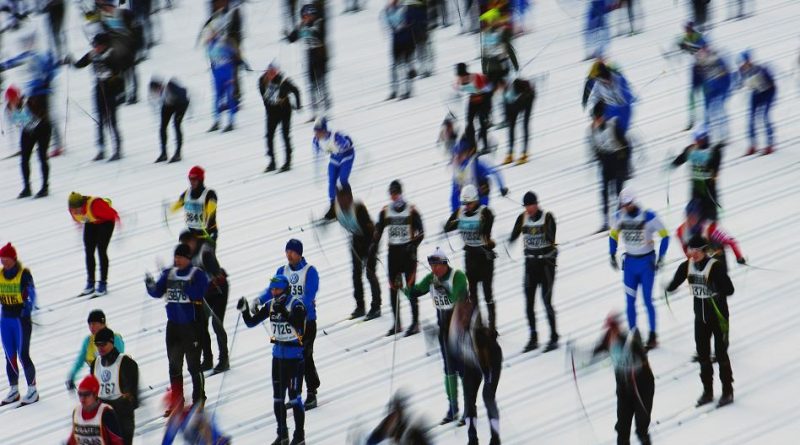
column 602, row 345
column 722, row 282
column 452, row 221
column 679, row 277
column 119, row 343
column 379, row 225
column 177, row 205
column 721, row 237
column 262, row 88
column 293, row 90
column 161, row 285
column 312, row 286
column 129, row 370
column 716, row 159
column 421, row 288
column 517, row 230
column 112, row 434
column 416, row 226
column 550, row 227
column 613, row 240
column 210, row 263
column 83, row 61
column 485, row 172
column 297, row 318
column 79, row 360
column 487, row 221
column 103, row 211
column 197, row 287
column 364, row 221
column 455, row 190
column 681, row 159
column 258, row 317
column 459, row 291
column 211, row 209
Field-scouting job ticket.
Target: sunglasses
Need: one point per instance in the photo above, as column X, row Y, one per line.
column 100, row 343
column 85, row 393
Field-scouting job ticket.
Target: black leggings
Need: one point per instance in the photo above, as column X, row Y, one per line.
column 182, row 342
column 97, row 237
column 513, row 110
column 217, row 299
column 287, row 376
column 105, row 102
column 29, row 139
column 540, row 273
column 310, row 368
column 167, row 112
column 279, row 116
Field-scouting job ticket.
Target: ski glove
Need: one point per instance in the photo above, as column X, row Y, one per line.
column 614, row 264
column 241, row 305
column 70, row 385
column 504, row 191
column 741, row 261
column 149, row 281
column 659, row 263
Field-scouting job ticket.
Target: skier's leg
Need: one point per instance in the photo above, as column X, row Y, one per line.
column 721, row 341
column 751, row 120
column 333, row 176
column 547, row 295
column 630, row 279
column 309, row 367
column 26, row 149
column 625, row 410
column 191, row 348
column 10, row 330
column 26, row 327
column 286, row 128
column 104, row 232
column 166, row 115
column 647, row 278
column 702, row 341
column 490, row 381
column 645, row 388
column 767, row 121
column 296, row 371
column 43, row 132
column 372, row 277
column 471, row 383
column 526, row 123
column 272, row 125
column 280, row 383
column 358, row 285
column 531, row 281
column 90, row 242
column 344, row 171
column 486, row 281
column 175, row 360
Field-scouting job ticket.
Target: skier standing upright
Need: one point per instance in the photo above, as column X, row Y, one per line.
column 88, row 353
column 716, row 80
column 342, row 154
column 759, row 79
column 119, row 381
column 608, row 146
column 311, row 30
column 199, row 205
column 704, row 160
column 275, row 89
column 93, row 421
column 718, row 239
column 396, row 16
column 31, row 117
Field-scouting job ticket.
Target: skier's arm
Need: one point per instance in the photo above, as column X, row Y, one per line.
column 380, row 225
column 104, row 212
column 613, row 241
column 512, row 55
column 197, row 287
column 550, row 228
column 160, row 286
column 129, row 381
column 296, row 92
column 262, row 88
column 211, row 209
column 681, row 159
column 119, row 343
column 719, row 236
column 720, row 280
column 680, row 276
column 79, row 361
column 452, row 221
column 454, row 192
column 262, row 314
column 83, row 61
column 485, row 228
column 177, row 205
column 459, row 290
column 658, row 227
column 517, row 230
column 421, row 288
column 111, row 431
column 312, row 286
column 716, row 160
column 484, row 171
column 416, row 227
column 364, row 221
column 14, row 61
column 297, row 318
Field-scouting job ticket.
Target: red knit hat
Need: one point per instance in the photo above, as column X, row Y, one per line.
column 197, row 172
column 8, row 251
column 89, row 383
column 12, row 94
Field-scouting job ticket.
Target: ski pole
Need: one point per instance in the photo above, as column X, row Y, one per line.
column 230, row 354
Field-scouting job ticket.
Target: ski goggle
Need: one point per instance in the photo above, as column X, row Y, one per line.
column 436, row 260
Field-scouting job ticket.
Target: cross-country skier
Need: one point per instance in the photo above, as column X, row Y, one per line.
column 55, row 24
column 396, row 17
column 183, row 286
column 447, row 287
column 612, row 88
column 224, row 57
column 303, row 284
column 88, row 353
column 193, row 424
column 18, row 298
column 275, row 89
column 469, row 170
column 199, row 205
column 718, row 239
column 287, row 317
column 311, row 30
column 93, row 421
column 497, row 55
column 399, row 426
column 354, row 217
column 98, row 219
column 635, row 380
column 479, row 103
column 173, row 99
column 713, row 72
column 126, row 31
column 759, row 79
column 710, row 287
column 216, row 299
column 690, row 43
column 704, row 160
column 596, row 34
column 538, row 230
column 119, row 381
column 31, row 117
column 477, row 349
column 342, row 153
column 609, row 147
column 637, row 226
column 404, row 224
column 518, row 97
column 474, row 221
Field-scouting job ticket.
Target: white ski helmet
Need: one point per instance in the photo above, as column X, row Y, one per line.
column 437, row 257
column 469, row 193
column 627, row 196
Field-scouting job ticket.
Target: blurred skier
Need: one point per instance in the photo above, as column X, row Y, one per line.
column 30, row 115
column 596, row 34
column 448, row 133
column 716, row 80
column 404, row 224
column 710, row 286
column 700, row 13
column 311, row 30
column 396, row 16
column 759, row 79
column 398, row 426
column 342, row 155
column 93, row 421
column 119, row 377
column 88, row 353
column 17, row 298
column 193, row 422
column 718, row 238
column 497, row 54
column 608, row 146
column 469, row 170
column 287, row 316
column 474, row 221
column 704, row 161
column 519, row 97
column 98, row 218
column 224, row 58
column 123, row 28
column 639, row 263
column 612, row 88
column 199, row 205
column 477, row 349
column 173, row 99
column 275, row 89
column 226, row 20
column 422, row 34
column 690, row 43
column 538, row 230
column 479, row 102
column 447, row 287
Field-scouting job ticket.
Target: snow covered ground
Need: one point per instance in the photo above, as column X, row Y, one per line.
column 357, row 365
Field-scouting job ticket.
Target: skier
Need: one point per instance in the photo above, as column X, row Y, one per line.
column 88, row 353
column 216, row 299
column 18, row 298
column 55, row 23
column 227, row 20
column 612, row 88
column 704, row 161
column 123, row 28
column 398, row 426
column 636, row 226
column 713, row 73
column 194, row 423
column 718, row 239
column 448, row 133
column 275, row 89
column 183, row 286
column 710, row 287
column 311, row 30
column 223, row 57
column 354, row 217
column 469, row 170
column 760, row 80
column 199, row 205
column 700, row 13
column 406, row 233
column 479, row 102
column 174, row 101
column 497, row 54
column 422, row 33
column 477, row 349
column 93, row 421
column 518, row 97
column 608, row 146
column 31, row 117
column 303, row 284
column 447, row 287
column 635, row 380
column 690, row 43
column 596, row 32
column 98, row 219
column 119, row 381
column 474, row 221
column 342, row 153
column 396, row 16
column 538, row 230
column 108, row 85
column 287, row 316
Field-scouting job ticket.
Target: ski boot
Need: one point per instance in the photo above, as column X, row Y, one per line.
column 214, row 127
column 750, row 151
column 451, row 415
column 508, row 159
column 707, row 396
column 102, row 289
column 175, row 158
column 207, row 364
column 310, row 402
column 522, row 159
column 11, row 397
column 398, row 328
column 374, row 312
column 222, row 366
column 228, row 128
column 330, row 215
column 768, row 150
column 652, row 341
column 299, row 438
column 33, row 396
column 115, row 157
column 727, row 396
column 552, row 344
column 413, row 329
column 25, row 193
column 285, row 168
column 100, row 156
column 88, row 290
column 533, row 343
column 281, row 440
column 162, row 157
column 43, row 192
column 357, row 312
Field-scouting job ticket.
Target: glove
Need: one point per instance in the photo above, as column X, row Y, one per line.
column 659, row 263
column 70, row 385
column 241, row 305
column 504, row 191
column 149, row 281
column 279, row 304
column 741, row 261
column 614, row 264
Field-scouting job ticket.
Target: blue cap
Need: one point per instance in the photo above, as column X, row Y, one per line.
column 278, row 282
column 744, row 56
column 700, row 133
column 321, row 124
column 295, row 245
